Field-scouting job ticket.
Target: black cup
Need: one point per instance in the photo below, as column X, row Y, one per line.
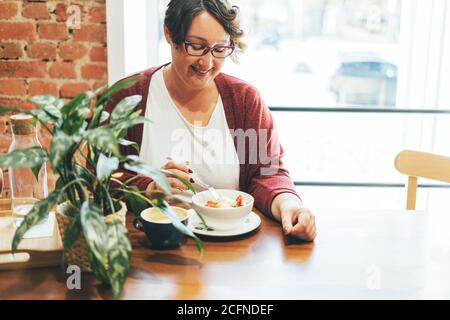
column 161, row 234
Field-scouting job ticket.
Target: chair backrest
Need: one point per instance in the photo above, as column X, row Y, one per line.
column 421, row 164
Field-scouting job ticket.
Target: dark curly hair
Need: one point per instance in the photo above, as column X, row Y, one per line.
column 180, row 13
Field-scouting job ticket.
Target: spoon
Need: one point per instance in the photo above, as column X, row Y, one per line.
column 207, row 186
column 202, row 184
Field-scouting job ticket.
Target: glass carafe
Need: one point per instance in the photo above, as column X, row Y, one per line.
column 25, row 189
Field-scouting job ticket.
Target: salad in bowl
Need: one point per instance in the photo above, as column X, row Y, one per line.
column 225, row 213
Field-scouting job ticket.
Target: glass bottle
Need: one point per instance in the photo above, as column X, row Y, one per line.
column 25, row 189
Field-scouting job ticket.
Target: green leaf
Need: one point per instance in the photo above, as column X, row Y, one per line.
column 58, row 187
column 36, row 171
column 94, row 231
column 11, row 109
column 73, row 104
column 125, row 143
column 72, row 232
column 53, row 110
column 45, row 101
column 121, row 127
column 155, row 174
column 84, row 174
column 25, row 158
column 75, row 112
column 135, row 200
column 97, row 268
column 96, row 117
column 119, row 255
column 120, row 85
column 129, row 123
column 133, row 157
column 124, row 108
column 164, row 207
column 103, row 139
column 128, row 143
column 188, row 201
column 106, row 166
column 59, row 184
column 104, row 116
column 61, row 144
column 42, row 116
column 50, row 109
column 39, row 212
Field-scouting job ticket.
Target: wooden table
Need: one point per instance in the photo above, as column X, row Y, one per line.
column 358, row 254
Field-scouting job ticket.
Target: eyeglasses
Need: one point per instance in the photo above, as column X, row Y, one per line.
column 200, row 49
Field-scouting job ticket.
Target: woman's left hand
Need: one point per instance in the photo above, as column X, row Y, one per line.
column 299, row 222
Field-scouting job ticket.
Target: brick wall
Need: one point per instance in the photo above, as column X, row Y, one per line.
column 40, row 54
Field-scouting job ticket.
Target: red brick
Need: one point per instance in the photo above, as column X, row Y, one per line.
column 98, row 15
column 72, row 51
column 42, row 51
column 94, row 71
column 61, row 14
column 70, row 90
column 38, row 87
column 98, row 54
column 21, row 69
column 63, row 70
column 8, row 10
column 13, row 87
column 90, row 32
column 17, row 31
column 10, row 51
column 53, row 31
column 17, row 103
column 35, row 11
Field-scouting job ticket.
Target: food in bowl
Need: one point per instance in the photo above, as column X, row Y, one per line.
column 226, row 202
column 223, row 215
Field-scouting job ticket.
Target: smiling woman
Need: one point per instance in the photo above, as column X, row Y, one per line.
column 200, row 114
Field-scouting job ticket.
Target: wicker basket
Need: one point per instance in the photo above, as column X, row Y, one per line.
column 77, row 255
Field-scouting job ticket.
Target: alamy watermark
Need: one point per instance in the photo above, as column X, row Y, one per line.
column 373, row 281
column 201, row 146
column 73, row 281
column 73, row 17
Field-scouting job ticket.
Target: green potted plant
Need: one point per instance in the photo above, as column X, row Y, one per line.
column 90, row 207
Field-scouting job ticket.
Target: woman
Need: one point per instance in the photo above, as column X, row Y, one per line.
column 215, row 127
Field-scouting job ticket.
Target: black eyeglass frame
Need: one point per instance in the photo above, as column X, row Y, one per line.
column 208, row 49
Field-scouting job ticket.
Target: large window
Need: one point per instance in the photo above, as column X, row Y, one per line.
column 324, row 52
column 350, row 83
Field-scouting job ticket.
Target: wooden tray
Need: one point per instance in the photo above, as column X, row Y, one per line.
column 32, row 253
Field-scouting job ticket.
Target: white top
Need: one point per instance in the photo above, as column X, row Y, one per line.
column 210, row 149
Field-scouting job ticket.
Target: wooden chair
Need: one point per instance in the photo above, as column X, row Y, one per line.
column 421, row 164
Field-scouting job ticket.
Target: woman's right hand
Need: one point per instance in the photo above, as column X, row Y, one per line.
column 180, row 170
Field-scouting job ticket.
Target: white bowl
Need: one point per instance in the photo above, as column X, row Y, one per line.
column 223, row 218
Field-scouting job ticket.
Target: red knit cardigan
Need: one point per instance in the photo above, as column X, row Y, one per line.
column 244, row 109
